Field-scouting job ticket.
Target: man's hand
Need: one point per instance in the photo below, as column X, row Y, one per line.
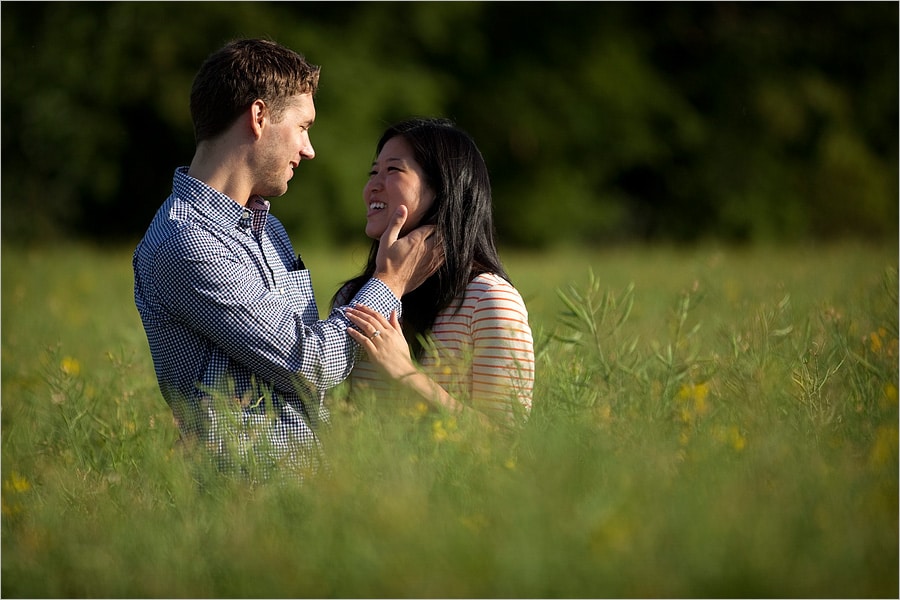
column 403, row 264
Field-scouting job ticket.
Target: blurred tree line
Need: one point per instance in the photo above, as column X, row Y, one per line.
column 600, row 122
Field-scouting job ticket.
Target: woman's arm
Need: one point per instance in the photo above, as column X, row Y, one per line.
column 385, row 345
column 388, row 349
column 498, row 347
column 502, row 348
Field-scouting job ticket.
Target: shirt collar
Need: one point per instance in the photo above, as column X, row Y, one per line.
column 259, row 208
column 218, row 207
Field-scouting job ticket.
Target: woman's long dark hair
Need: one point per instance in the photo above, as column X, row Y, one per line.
column 461, row 212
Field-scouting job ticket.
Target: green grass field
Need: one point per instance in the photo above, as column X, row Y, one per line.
column 708, row 422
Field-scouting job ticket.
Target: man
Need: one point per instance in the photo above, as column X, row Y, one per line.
column 227, row 306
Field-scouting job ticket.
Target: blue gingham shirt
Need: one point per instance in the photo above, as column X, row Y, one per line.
column 233, row 326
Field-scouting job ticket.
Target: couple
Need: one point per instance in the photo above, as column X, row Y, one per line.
column 228, row 307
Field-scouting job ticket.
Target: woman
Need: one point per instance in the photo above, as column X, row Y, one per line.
column 464, row 342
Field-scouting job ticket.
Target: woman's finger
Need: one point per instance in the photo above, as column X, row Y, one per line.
column 360, row 321
column 371, row 323
column 360, row 338
column 371, row 313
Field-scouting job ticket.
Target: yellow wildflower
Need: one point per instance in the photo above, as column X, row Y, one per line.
column 890, row 395
column 603, row 413
column 9, row 510
column 732, row 436
column 438, row 432
column 476, row 523
column 737, row 440
column 692, row 398
column 614, row 533
column 70, row 366
column 875, row 344
column 16, row 483
column 884, row 449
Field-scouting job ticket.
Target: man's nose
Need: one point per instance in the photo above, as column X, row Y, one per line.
column 307, row 151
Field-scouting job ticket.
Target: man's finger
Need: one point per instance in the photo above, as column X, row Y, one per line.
column 396, row 224
column 423, row 231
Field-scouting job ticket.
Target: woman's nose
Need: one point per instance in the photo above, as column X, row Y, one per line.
column 374, row 183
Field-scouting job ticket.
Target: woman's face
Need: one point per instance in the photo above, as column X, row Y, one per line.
column 395, row 179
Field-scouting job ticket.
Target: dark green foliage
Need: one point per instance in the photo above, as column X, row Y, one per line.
column 601, row 122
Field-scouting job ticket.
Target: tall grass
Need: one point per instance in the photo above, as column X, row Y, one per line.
column 707, row 422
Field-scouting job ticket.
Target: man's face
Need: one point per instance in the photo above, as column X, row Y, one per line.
column 282, row 145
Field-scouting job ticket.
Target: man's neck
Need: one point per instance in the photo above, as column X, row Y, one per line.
column 222, row 171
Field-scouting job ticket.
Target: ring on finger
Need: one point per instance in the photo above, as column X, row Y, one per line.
column 375, row 334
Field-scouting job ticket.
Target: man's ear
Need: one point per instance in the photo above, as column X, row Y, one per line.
column 258, row 113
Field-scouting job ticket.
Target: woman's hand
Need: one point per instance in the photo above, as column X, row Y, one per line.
column 382, row 340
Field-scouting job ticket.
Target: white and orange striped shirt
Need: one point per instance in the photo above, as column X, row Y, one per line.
column 482, row 355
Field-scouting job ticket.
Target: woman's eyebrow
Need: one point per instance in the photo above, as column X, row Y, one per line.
column 391, row 159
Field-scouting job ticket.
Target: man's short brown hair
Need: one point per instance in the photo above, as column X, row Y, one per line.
column 244, row 71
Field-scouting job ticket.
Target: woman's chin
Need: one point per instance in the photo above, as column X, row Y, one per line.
column 376, row 232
